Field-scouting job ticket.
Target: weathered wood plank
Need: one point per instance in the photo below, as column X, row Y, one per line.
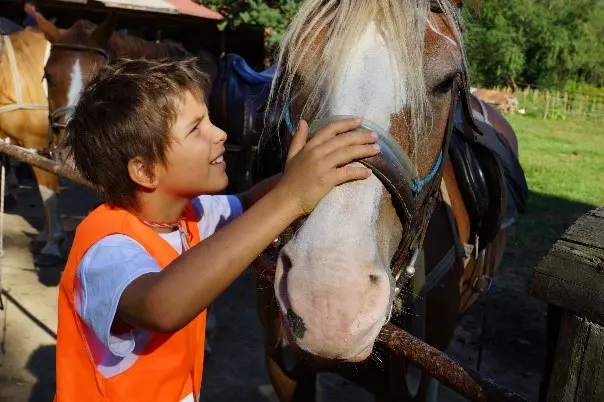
column 598, row 212
column 577, row 374
column 571, row 275
column 591, row 381
column 588, row 230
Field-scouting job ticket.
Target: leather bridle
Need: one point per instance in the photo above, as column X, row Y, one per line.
column 56, row 118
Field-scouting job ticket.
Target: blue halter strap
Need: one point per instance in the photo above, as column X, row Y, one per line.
column 417, row 184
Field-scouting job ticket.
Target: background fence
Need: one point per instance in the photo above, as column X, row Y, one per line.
column 557, row 105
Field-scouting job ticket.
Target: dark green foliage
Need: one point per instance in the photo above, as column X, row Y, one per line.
column 541, row 42
column 549, row 43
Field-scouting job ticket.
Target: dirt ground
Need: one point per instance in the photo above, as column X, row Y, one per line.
column 512, row 341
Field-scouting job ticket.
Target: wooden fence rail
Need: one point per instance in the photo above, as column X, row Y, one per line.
column 554, row 105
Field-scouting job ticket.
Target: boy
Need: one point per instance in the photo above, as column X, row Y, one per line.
column 138, row 280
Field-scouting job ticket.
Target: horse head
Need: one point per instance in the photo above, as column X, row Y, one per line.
column 75, row 53
column 400, row 66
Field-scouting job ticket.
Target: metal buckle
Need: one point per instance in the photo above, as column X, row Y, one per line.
column 408, row 272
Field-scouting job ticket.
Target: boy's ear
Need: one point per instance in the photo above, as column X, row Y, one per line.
column 142, row 174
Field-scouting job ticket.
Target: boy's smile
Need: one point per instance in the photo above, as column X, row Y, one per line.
column 195, row 158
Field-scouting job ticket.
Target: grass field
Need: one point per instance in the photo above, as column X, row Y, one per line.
column 564, row 166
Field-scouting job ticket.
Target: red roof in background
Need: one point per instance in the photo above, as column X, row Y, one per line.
column 190, row 7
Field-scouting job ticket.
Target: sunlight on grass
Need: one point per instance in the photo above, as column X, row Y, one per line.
column 562, row 158
column 564, row 166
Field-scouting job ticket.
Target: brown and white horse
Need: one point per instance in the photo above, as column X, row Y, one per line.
column 24, row 120
column 398, row 65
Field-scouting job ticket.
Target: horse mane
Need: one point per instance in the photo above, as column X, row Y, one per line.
column 121, row 44
column 319, row 38
column 135, row 47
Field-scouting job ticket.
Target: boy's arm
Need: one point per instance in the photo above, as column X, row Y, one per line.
column 259, row 190
column 169, row 300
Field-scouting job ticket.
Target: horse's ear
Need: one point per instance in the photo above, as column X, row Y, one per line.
column 50, row 31
column 471, row 3
column 103, row 32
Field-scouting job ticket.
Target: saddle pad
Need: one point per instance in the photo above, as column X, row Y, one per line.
column 491, row 181
column 248, row 74
column 8, row 26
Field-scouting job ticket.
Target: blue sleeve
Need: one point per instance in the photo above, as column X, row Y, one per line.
column 106, row 269
column 215, row 211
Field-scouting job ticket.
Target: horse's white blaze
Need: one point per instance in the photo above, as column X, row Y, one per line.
column 46, row 57
column 335, row 251
column 76, row 85
column 441, row 34
column 367, row 87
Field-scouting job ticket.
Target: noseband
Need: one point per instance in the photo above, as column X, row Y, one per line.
column 414, row 197
column 54, row 118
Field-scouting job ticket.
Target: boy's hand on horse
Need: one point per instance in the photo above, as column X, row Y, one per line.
column 169, row 300
column 315, row 166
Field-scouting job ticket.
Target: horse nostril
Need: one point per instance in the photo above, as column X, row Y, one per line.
column 297, row 324
column 374, row 279
column 285, row 261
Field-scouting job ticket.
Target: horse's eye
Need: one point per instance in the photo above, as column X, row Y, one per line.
column 444, row 87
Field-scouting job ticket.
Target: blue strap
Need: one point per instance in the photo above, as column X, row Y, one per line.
column 288, row 119
column 419, row 184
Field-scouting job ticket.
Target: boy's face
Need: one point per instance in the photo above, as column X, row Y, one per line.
column 195, row 163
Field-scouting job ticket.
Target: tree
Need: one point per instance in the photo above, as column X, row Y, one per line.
column 543, row 42
column 274, row 15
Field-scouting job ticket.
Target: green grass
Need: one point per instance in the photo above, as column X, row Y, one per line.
column 562, row 158
column 564, row 166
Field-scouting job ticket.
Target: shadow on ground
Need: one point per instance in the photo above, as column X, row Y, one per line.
column 513, row 340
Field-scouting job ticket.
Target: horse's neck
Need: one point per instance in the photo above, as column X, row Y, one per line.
column 133, row 47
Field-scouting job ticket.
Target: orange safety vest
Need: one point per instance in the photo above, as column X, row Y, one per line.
column 171, row 365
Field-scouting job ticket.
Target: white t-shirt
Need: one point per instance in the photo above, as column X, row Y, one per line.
column 111, row 264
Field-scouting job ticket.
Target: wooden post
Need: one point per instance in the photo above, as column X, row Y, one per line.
column 527, row 92
column 565, row 101
column 547, row 99
column 571, row 277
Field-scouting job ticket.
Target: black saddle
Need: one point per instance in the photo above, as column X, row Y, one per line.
column 490, row 178
column 236, row 105
column 8, row 26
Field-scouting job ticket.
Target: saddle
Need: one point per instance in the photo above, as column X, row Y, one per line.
column 8, row 26
column 236, row 106
column 490, row 179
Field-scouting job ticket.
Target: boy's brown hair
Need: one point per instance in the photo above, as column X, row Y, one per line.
column 127, row 110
